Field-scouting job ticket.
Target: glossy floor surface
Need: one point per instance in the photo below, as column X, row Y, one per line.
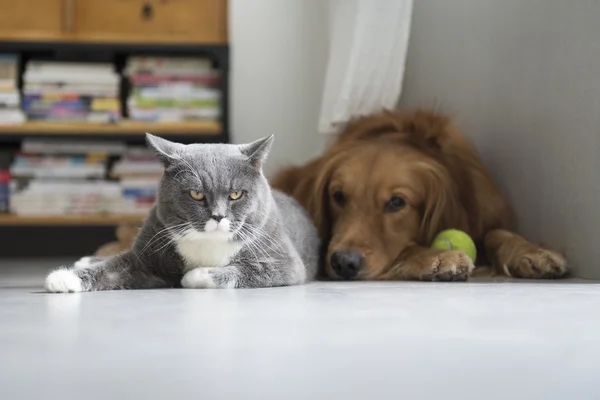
column 476, row 340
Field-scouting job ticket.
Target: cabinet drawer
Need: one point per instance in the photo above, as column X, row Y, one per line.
column 188, row 21
column 30, row 19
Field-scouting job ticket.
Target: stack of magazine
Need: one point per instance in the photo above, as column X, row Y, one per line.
column 68, row 92
column 172, row 89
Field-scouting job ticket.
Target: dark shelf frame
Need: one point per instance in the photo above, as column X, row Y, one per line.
column 12, row 139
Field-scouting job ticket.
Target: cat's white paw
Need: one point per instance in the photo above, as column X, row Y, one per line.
column 198, row 278
column 63, row 281
column 83, row 262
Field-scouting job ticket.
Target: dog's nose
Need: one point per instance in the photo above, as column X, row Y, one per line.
column 347, row 263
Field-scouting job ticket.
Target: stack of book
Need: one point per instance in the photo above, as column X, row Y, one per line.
column 58, row 198
column 63, row 177
column 172, row 89
column 139, row 173
column 56, row 177
column 57, row 91
column 10, row 98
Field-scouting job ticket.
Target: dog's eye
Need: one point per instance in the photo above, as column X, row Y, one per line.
column 339, row 197
column 396, row 203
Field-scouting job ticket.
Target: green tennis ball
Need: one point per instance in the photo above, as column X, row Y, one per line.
column 453, row 239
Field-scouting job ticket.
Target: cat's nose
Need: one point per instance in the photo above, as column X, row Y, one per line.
column 217, row 217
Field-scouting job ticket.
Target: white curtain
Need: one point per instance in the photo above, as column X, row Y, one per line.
column 367, row 53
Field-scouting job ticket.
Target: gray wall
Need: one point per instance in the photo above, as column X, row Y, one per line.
column 522, row 77
column 279, row 53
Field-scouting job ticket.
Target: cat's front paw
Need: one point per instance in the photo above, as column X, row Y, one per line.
column 63, row 281
column 83, row 262
column 198, row 278
column 89, row 261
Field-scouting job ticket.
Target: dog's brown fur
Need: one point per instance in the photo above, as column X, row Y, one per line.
column 425, row 160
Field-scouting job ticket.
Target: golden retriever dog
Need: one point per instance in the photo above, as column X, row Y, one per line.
column 390, row 183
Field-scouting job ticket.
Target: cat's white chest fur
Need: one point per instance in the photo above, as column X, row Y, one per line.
column 206, row 249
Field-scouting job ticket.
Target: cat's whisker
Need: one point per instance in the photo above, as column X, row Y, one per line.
column 191, row 169
column 268, row 217
column 246, row 242
column 251, row 242
column 179, row 172
column 169, row 240
column 254, row 247
column 157, row 239
column 256, row 238
column 268, row 241
column 165, row 229
column 164, row 246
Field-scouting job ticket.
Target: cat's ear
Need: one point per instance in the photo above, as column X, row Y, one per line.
column 166, row 151
column 258, row 150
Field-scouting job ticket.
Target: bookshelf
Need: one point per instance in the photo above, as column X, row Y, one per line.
column 70, row 220
column 123, row 127
column 90, row 33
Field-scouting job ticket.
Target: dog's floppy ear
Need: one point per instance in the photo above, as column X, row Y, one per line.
column 443, row 208
column 318, row 204
column 308, row 185
column 473, row 189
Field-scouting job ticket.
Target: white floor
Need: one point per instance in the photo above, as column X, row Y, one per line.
column 460, row 341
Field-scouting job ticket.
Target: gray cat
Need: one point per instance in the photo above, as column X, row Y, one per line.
column 216, row 224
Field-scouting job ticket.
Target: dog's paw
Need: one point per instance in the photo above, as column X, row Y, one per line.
column 446, row 266
column 198, row 278
column 537, row 264
column 63, row 281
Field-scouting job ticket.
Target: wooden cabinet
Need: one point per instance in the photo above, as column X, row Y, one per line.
column 201, row 21
column 139, row 21
column 30, row 19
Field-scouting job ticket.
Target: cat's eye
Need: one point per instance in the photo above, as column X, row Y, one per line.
column 196, row 195
column 236, row 195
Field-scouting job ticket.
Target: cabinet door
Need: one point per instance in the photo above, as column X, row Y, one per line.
column 176, row 21
column 31, row 19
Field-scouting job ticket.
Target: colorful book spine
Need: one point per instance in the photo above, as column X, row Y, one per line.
column 51, row 97
column 182, row 103
column 4, row 191
column 150, row 79
column 151, row 64
column 33, row 105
